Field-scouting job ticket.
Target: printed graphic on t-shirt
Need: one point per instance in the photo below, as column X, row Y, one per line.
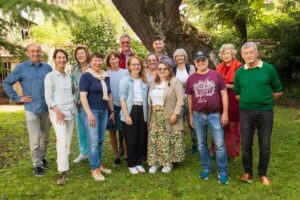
column 204, row 88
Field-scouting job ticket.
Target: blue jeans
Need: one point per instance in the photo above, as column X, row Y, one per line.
column 213, row 122
column 82, row 132
column 96, row 137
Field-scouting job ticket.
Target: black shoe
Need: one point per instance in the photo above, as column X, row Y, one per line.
column 38, row 171
column 45, row 164
column 117, row 162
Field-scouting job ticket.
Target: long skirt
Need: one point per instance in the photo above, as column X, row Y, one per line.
column 163, row 147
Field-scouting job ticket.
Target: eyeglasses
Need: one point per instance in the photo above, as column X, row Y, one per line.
column 200, row 60
column 162, row 69
column 126, row 42
column 136, row 65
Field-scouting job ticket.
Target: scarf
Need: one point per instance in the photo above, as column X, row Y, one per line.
column 229, row 76
column 101, row 77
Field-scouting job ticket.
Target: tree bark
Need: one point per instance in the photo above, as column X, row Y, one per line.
column 148, row 18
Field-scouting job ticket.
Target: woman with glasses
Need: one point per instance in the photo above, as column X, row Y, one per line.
column 166, row 136
column 133, row 100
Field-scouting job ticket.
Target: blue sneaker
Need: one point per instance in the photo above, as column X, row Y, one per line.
column 194, row 149
column 223, row 179
column 204, row 175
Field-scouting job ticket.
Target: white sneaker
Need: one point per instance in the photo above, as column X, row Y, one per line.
column 80, row 158
column 133, row 170
column 105, row 170
column 96, row 174
column 140, row 168
column 167, row 169
column 153, row 169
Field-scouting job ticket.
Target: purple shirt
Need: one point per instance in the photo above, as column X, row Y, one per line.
column 205, row 90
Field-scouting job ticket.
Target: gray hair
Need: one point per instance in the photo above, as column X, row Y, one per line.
column 180, row 52
column 32, row 44
column 125, row 35
column 248, row 45
column 229, row 47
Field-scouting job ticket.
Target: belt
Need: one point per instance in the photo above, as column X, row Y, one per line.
column 157, row 108
column 138, row 103
column 207, row 112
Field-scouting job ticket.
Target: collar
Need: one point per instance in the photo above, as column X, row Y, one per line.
column 57, row 72
column 34, row 65
column 259, row 65
column 122, row 54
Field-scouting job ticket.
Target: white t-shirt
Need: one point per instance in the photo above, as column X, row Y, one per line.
column 137, row 88
column 157, row 94
column 182, row 75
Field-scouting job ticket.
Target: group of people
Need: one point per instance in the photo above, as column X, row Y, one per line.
column 145, row 106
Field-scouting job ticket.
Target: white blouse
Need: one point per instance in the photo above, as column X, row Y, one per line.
column 182, row 75
column 137, row 88
column 157, row 94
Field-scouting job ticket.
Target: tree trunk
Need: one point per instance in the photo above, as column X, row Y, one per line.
column 148, row 18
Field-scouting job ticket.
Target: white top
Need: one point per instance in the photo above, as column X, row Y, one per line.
column 157, row 94
column 182, row 75
column 137, row 88
column 58, row 92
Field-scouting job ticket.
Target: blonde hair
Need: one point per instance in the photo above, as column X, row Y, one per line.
column 229, row 47
column 142, row 73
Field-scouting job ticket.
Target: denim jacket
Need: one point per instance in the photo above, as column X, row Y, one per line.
column 126, row 93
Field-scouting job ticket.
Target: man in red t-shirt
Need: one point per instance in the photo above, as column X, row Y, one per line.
column 126, row 52
column 206, row 90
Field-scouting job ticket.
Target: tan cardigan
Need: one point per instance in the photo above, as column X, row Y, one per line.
column 173, row 103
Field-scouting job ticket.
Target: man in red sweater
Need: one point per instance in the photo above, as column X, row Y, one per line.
column 126, row 52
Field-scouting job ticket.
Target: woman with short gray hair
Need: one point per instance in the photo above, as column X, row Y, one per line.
column 182, row 71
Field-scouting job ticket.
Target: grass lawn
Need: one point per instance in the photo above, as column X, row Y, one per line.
column 18, row 182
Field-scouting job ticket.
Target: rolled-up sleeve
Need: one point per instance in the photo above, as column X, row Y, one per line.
column 11, row 79
column 49, row 91
column 123, row 88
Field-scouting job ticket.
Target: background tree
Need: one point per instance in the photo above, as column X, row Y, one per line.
column 12, row 18
column 148, row 18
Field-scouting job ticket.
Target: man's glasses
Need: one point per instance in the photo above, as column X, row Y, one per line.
column 200, row 60
column 126, row 42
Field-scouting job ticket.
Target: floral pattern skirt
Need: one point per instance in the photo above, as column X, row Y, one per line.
column 164, row 147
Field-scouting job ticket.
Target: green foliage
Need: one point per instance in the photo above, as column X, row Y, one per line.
column 138, row 48
column 12, row 18
column 284, row 30
column 97, row 36
column 18, row 182
column 96, row 31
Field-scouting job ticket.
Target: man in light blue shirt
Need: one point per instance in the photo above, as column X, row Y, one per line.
column 31, row 76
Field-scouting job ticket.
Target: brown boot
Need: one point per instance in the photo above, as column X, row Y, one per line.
column 61, row 180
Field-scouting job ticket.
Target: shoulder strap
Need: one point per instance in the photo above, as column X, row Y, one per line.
column 187, row 67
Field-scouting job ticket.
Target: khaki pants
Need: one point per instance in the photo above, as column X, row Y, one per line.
column 38, row 126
